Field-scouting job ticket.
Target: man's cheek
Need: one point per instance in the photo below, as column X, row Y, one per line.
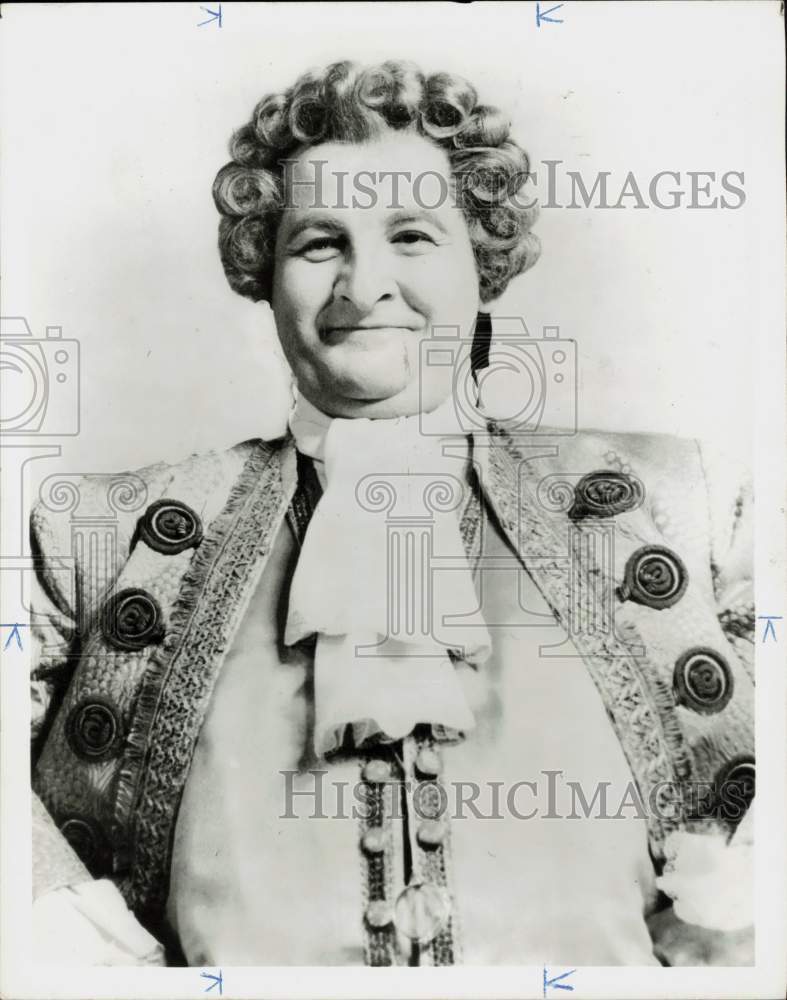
column 296, row 324
column 448, row 296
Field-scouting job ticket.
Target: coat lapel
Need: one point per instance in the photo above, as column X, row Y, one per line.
column 177, row 687
column 562, row 558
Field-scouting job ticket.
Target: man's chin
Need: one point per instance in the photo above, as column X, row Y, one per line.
column 369, row 399
column 401, row 405
column 386, row 404
column 371, row 383
column 371, row 380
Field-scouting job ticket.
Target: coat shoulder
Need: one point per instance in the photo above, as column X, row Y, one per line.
column 643, row 454
column 118, row 499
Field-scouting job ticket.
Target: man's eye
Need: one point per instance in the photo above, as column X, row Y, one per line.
column 414, row 238
column 320, row 249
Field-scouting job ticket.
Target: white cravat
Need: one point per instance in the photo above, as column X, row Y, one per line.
column 367, row 580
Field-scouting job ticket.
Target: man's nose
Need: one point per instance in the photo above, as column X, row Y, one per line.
column 363, row 281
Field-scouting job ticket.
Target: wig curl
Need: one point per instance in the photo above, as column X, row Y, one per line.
column 347, row 102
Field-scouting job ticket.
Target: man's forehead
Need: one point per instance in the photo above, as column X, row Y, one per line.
column 393, row 172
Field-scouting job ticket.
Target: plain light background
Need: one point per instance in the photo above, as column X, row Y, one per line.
column 116, row 118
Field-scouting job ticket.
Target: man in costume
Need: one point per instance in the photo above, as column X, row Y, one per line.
column 258, row 694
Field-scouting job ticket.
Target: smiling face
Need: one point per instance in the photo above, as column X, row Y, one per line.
column 359, row 284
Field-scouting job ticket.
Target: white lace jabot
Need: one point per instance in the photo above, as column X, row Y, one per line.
column 381, row 570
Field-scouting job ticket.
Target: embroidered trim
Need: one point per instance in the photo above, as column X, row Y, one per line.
column 433, row 864
column 181, row 674
column 376, row 820
column 738, row 622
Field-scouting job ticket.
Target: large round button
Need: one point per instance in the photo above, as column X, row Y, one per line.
column 131, row 619
column 87, row 841
column 702, row 680
column 170, row 526
column 655, row 577
column 93, row 729
column 431, row 833
column 735, row 787
column 422, row 911
column 428, row 763
column 374, row 841
column 379, row 914
column 606, row 494
column 377, row 771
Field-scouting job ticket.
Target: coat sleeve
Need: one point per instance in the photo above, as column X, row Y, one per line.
column 711, row 883
column 52, row 621
column 76, row 919
column 731, row 512
column 54, row 651
column 708, row 877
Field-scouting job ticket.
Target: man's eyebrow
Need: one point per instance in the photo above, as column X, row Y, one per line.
column 422, row 215
column 313, row 220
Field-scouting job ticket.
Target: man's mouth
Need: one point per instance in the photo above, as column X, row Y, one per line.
column 338, row 333
column 352, row 328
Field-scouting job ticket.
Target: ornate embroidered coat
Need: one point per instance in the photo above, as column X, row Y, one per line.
column 144, row 577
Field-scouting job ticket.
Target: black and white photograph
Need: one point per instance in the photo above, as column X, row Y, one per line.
column 393, row 559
